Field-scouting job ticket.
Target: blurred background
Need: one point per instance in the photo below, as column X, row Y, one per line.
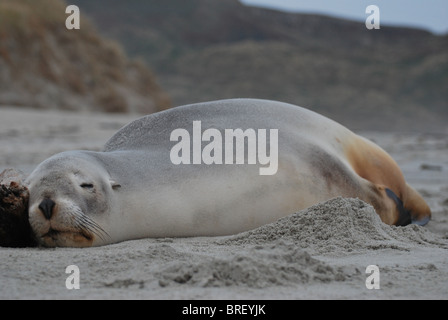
column 73, row 89
column 145, row 56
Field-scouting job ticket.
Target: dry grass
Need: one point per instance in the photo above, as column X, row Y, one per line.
column 75, row 67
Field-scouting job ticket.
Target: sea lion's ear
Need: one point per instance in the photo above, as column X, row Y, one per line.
column 114, row 185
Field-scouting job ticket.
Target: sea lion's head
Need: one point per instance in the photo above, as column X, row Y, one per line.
column 70, row 199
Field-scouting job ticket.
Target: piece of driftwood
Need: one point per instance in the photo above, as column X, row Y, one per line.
column 15, row 230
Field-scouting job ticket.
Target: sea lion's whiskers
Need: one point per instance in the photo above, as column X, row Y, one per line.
column 85, row 223
column 94, row 227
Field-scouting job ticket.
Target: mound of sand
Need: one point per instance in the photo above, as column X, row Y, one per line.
column 279, row 254
column 337, row 227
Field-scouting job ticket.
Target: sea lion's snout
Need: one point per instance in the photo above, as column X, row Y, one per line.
column 58, row 221
column 47, row 206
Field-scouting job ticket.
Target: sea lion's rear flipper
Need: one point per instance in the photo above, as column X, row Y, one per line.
column 374, row 164
column 404, row 216
column 416, row 206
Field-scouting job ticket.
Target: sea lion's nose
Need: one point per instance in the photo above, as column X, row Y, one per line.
column 46, row 206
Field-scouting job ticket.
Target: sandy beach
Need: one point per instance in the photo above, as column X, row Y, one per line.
column 318, row 253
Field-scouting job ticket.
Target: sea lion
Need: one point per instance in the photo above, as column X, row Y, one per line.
column 134, row 189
